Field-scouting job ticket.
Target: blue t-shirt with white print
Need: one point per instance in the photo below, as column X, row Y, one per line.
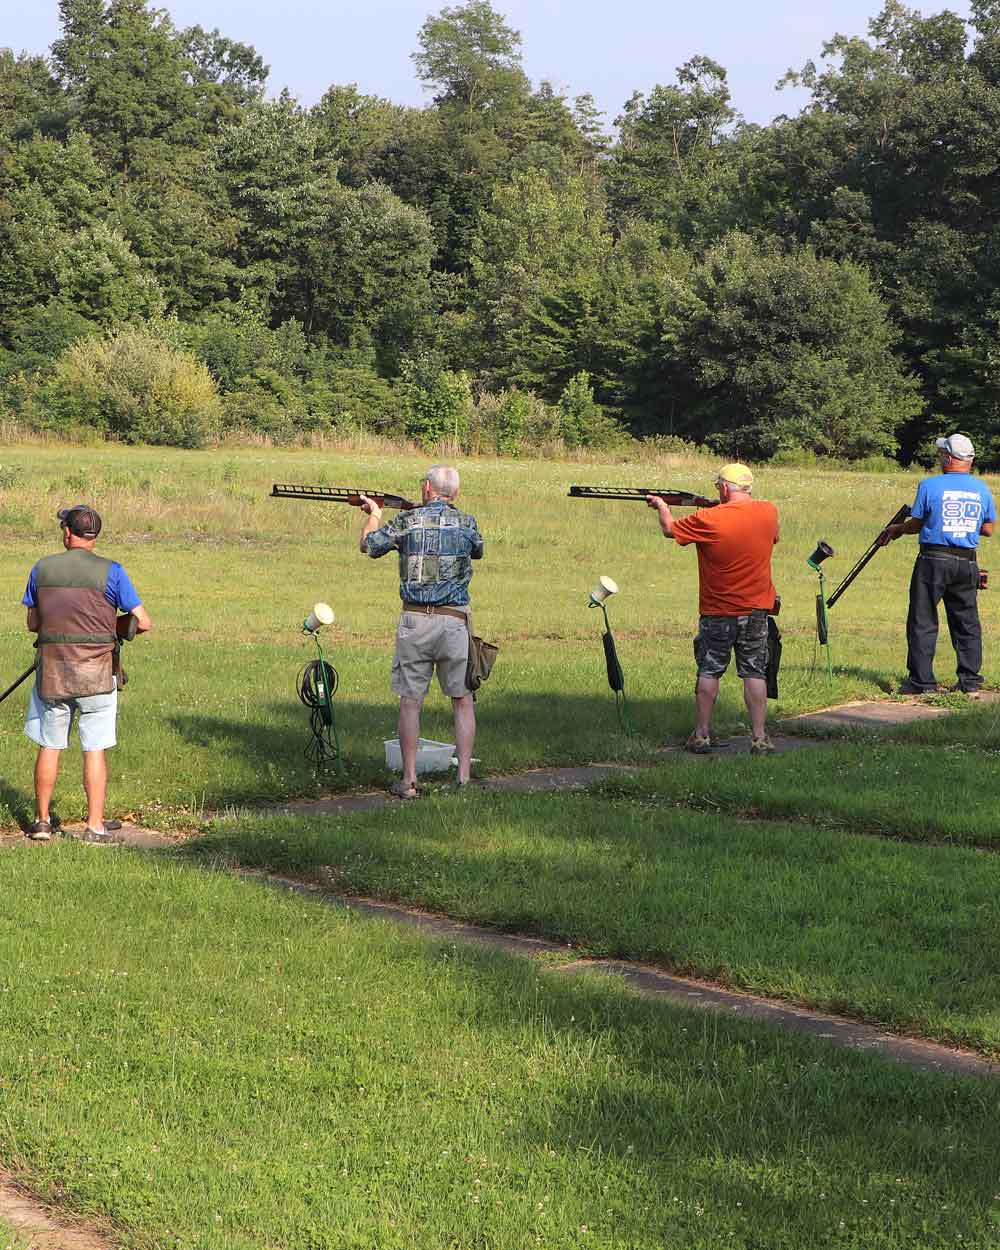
column 953, row 508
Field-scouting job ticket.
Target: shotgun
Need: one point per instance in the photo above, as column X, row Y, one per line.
column 340, row 494
column 678, row 498
column 900, row 516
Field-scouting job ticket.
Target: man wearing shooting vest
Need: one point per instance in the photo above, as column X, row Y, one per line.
column 73, row 600
column 949, row 513
column 436, row 544
column 734, row 539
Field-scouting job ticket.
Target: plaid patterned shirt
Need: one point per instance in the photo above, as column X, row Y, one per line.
column 436, row 545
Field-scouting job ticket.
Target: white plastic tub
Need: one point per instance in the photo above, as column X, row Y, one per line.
column 432, row 757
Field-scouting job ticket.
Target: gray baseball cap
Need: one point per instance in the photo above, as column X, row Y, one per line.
column 957, row 445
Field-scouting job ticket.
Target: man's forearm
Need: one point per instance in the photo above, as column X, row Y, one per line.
column 370, row 526
column 666, row 522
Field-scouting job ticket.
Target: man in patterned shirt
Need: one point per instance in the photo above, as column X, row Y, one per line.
column 437, row 544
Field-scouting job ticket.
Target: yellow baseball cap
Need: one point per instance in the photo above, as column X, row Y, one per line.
column 735, row 474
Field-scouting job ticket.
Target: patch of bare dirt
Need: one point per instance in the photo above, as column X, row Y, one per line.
column 42, row 1228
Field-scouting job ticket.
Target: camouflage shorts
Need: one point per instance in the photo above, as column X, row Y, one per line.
column 718, row 636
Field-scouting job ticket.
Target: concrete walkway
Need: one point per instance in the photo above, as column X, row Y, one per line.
column 654, row 983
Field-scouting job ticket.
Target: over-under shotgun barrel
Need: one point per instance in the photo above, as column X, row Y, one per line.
column 340, row 494
column 900, row 516
column 679, row 498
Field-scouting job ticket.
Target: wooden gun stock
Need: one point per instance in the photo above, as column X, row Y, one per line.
column 340, row 494
column 678, row 498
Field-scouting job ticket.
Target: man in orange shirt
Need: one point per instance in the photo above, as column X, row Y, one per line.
column 734, row 539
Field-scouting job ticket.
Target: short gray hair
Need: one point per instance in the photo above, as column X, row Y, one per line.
column 443, row 480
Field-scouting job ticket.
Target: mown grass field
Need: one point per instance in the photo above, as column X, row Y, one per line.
column 212, row 1065
column 211, row 718
column 209, row 1066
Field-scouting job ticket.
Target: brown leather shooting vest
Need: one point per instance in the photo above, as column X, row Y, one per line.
column 77, row 635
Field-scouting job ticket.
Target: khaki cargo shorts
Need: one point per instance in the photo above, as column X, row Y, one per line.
column 425, row 642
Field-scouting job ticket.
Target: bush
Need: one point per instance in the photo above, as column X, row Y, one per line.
column 439, row 402
column 671, row 445
column 235, row 345
column 510, row 421
column 133, row 387
column 584, row 421
column 796, row 457
column 41, row 336
column 362, row 401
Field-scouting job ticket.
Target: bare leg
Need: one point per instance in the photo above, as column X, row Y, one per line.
column 95, row 786
column 46, row 772
column 706, row 691
column 464, row 710
column 409, row 732
column 755, row 697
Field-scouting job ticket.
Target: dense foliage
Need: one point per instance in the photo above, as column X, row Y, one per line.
column 494, row 268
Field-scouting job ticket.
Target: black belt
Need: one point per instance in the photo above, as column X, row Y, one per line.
column 959, row 553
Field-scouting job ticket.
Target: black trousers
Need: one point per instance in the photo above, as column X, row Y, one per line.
column 938, row 576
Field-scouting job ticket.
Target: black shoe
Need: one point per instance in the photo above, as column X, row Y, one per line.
column 909, row 687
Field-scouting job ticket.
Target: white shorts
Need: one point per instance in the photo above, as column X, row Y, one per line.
column 49, row 720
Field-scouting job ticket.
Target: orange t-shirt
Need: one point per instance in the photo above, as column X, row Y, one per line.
column 735, row 541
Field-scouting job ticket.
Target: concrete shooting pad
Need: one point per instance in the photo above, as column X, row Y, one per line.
column 864, row 715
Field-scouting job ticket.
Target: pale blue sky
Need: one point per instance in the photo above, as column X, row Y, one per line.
column 603, row 47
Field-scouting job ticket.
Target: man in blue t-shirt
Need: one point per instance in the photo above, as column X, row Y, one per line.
column 950, row 513
column 73, row 600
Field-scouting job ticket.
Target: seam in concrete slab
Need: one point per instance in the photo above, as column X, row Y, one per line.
column 655, row 983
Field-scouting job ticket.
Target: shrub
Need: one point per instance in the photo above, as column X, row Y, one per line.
column 584, row 421
column 362, row 401
column 671, row 445
column 510, row 425
column 42, row 335
column 133, row 387
column 439, row 402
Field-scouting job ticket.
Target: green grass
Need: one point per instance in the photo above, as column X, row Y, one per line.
column 210, row 1065
column 887, row 931
column 211, row 717
column 10, row 1239
column 213, row 1066
column 919, row 793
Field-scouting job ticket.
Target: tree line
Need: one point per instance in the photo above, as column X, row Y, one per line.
column 181, row 255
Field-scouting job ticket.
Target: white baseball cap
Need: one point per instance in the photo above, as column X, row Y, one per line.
column 957, row 445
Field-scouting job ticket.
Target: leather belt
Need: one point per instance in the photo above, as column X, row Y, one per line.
column 433, row 609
